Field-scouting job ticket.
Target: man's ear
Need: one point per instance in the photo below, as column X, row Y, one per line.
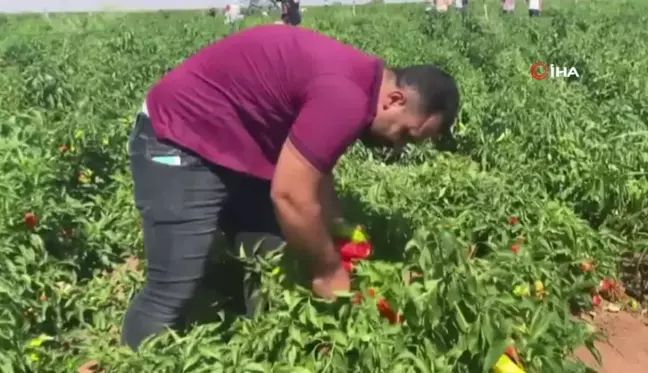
column 397, row 98
column 294, row 176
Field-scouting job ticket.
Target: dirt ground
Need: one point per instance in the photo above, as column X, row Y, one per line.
column 626, row 348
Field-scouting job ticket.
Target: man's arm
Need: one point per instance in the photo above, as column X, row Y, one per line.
column 296, row 195
column 331, row 118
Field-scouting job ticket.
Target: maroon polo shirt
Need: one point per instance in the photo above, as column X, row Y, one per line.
column 236, row 101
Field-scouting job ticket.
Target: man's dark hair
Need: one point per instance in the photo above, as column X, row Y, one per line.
column 437, row 89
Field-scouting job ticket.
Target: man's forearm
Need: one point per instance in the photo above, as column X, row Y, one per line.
column 305, row 228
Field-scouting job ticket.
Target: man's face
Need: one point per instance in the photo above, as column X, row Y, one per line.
column 398, row 122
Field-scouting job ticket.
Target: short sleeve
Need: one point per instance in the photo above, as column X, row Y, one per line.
column 333, row 116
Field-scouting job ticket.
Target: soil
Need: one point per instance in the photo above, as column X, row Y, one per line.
column 626, row 347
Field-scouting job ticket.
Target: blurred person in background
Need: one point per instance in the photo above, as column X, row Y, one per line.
column 442, row 5
column 290, row 13
column 508, row 6
column 534, row 7
column 241, row 139
column 461, row 5
column 233, row 13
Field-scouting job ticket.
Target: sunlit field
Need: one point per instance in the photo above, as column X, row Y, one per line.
column 545, row 196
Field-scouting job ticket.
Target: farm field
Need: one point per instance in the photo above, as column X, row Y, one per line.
column 547, row 187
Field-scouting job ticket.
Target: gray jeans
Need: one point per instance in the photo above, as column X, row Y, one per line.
column 184, row 203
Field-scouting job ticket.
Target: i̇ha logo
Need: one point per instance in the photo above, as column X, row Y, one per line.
column 541, row 70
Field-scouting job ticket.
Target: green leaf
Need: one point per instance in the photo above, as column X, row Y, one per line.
column 495, row 351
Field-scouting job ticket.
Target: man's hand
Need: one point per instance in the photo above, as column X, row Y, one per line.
column 326, row 286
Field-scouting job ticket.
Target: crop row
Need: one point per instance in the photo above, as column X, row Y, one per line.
column 547, row 175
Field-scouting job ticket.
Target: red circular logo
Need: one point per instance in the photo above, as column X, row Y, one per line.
column 539, row 70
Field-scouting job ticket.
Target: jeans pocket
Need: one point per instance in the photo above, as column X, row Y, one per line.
column 168, row 154
column 144, row 143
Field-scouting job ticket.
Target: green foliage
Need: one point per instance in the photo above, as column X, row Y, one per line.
column 566, row 158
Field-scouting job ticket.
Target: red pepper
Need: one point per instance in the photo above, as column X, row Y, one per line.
column 383, row 307
column 30, row 220
column 350, row 250
column 606, row 285
column 515, row 249
column 596, row 300
column 513, row 220
column 387, row 312
column 512, row 353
